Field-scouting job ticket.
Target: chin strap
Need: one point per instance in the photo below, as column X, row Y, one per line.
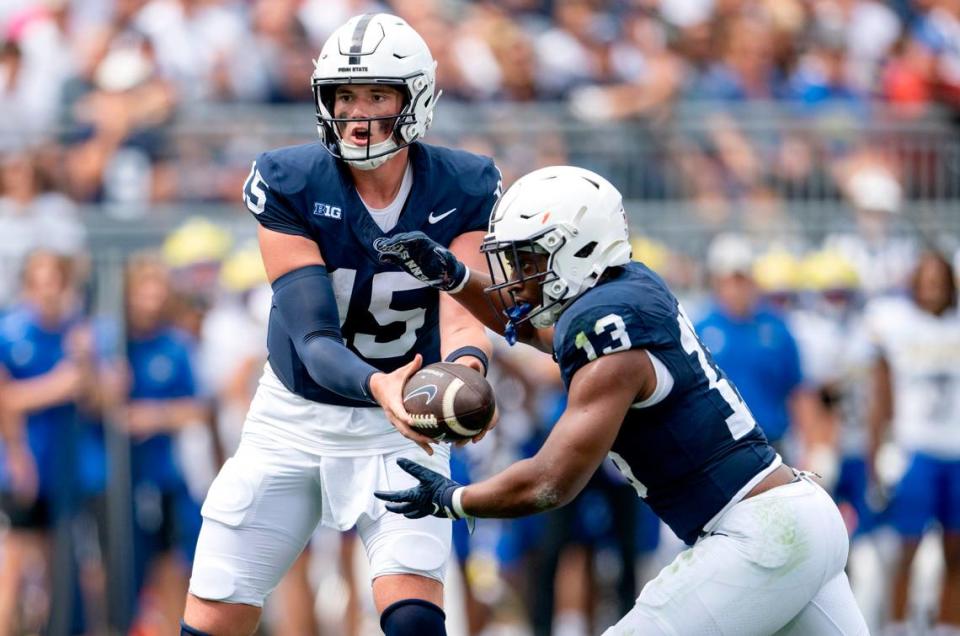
column 361, row 162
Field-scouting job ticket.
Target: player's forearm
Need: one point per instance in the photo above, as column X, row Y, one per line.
column 308, row 310
column 880, row 411
column 488, row 309
column 474, row 299
column 184, row 412
column 522, row 489
column 59, row 386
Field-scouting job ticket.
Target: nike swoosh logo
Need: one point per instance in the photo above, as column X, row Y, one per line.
column 430, row 390
column 433, row 218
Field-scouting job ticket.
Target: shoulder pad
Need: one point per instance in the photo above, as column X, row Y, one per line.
column 477, row 174
column 288, row 170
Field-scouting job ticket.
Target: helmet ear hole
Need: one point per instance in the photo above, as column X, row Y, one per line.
column 586, row 250
column 326, row 95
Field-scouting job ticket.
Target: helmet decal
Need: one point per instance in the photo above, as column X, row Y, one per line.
column 357, row 44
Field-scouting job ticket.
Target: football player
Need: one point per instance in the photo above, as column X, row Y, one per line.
column 346, row 331
column 768, row 546
column 916, row 387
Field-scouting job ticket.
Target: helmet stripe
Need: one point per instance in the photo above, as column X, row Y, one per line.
column 356, row 43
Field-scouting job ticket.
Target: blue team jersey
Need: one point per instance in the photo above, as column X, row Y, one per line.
column 161, row 369
column 691, row 453
column 761, row 356
column 386, row 315
column 29, row 350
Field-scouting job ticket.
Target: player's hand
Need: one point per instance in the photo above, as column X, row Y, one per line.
column 477, row 365
column 424, row 259
column 432, row 496
column 493, row 424
column 387, row 390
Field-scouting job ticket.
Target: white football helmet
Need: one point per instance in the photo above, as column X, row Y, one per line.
column 375, row 48
column 573, row 216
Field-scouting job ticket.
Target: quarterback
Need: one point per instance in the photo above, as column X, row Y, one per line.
column 767, row 545
column 327, row 424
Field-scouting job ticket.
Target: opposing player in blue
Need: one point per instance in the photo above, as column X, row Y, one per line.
column 346, row 331
column 767, row 545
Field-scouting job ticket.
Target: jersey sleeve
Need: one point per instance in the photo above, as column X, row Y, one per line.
column 268, row 204
column 599, row 330
column 488, row 188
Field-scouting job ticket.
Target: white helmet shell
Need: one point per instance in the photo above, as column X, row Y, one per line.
column 375, row 48
column 573, row 215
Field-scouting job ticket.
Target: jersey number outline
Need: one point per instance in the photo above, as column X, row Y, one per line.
column 621, row 465
column 741, row 421
column 256, row 203
column 382, row 288
column 620, row 339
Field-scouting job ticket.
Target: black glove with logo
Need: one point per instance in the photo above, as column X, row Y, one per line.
column 432, row 496
column 424, row 259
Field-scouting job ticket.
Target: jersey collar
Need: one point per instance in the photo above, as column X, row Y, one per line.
column 415, row 209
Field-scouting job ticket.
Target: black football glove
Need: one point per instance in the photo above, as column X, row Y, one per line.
column 432, row 496
column 424, row 259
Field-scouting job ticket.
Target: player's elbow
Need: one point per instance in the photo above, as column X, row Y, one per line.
column 552, row 493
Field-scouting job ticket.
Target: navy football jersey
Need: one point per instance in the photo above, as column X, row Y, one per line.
column 386, row 315
column 689, row 454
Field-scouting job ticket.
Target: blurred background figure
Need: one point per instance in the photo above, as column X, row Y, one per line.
column 49, row 378
column 162, row 401
column 234, row 334
column 838, row 356
column 33, row 215
column 916, row 407
column 882, row 258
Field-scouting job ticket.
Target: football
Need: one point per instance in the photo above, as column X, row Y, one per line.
column 449, row 402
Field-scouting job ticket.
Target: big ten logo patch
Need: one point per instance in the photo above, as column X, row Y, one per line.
column 327, row 210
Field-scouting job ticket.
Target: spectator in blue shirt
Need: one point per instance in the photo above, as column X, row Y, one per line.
column 47, row 377
column 162, row 400
column 753, row 345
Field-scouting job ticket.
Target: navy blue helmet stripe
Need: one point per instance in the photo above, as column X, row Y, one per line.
column 356, row 44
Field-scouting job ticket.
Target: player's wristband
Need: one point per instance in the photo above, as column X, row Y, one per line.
column 457, row 503
column 470, row 350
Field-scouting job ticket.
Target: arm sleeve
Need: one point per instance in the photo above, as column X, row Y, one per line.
column 308, row 311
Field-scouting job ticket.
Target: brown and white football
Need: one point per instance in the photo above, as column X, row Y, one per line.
column 449, row 402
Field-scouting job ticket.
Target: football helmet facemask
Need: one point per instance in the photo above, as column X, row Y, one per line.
column 375, row 49
column 572, row 216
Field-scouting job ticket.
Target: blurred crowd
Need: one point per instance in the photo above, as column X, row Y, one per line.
column 105, row 87
column 58, row 55
column 123, row 385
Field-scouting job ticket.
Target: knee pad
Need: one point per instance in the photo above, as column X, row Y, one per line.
column 186, row 630
column 413, row 617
